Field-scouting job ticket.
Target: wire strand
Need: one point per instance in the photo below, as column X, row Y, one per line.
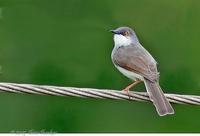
column 93, row 93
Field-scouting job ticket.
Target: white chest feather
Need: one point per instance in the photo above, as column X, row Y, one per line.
column 121, row 40
column 129, row 74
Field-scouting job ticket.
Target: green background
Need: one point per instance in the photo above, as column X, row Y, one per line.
column 68, row 43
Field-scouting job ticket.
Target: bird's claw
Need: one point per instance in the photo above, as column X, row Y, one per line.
column 126, row 90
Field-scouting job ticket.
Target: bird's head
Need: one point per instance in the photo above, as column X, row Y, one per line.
column 124, row 36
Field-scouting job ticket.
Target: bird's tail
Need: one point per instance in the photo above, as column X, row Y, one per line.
column 158, row 98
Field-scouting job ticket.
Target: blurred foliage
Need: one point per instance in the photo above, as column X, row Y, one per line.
column 67, row 43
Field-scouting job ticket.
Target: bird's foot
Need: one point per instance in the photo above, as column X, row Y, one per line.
column 126, row 90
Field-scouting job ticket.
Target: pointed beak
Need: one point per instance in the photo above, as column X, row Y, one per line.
column 114, row 32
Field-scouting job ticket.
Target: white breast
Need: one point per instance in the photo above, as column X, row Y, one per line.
column 129, row 74
column 121, row 40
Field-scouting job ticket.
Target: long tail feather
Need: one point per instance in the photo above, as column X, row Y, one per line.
column 158, row 98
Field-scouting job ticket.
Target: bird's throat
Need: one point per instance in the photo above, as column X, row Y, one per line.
column 121, row 40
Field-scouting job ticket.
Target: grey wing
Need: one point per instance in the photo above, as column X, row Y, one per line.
column 137, row 59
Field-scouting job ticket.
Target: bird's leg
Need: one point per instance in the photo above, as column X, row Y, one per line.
column 131, row 86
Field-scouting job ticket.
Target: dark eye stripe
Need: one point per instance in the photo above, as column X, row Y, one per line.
column 125, row 33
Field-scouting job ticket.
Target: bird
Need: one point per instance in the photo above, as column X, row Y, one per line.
column 136, row 63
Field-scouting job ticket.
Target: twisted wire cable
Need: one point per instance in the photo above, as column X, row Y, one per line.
column 93, row 93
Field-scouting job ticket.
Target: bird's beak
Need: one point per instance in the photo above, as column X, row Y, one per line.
column 114, row 31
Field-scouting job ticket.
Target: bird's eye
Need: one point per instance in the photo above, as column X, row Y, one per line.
column 126, row 33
